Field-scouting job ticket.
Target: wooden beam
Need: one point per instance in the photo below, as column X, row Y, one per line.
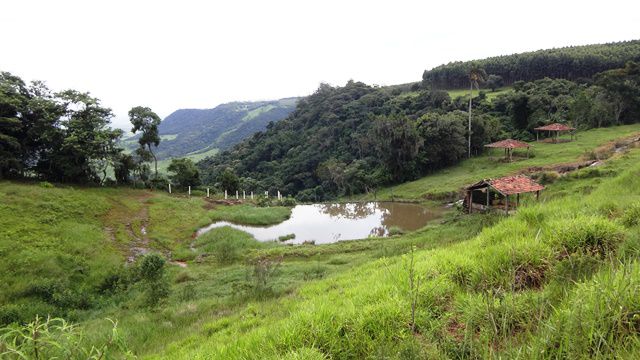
column 506, row 205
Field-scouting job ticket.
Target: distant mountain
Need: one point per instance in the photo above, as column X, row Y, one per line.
column 189, row 132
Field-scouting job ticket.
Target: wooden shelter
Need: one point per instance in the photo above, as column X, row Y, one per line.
column 489, row 193
column 554, row 130
column 508, row 146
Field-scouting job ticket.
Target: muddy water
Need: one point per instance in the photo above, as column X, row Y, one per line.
column 327, row 223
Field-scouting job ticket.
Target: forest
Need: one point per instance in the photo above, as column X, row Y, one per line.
column 577, row 63
column 357, row 138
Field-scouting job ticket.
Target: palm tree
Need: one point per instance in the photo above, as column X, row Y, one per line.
column 476, row 75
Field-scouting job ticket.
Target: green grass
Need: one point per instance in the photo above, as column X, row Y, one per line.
column 251, row 215
column 490, row 94
column 452, row 179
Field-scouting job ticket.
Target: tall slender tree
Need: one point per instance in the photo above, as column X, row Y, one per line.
column 476, row 75
column 146, row 121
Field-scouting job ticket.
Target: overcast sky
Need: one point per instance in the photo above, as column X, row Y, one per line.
column 198, row 54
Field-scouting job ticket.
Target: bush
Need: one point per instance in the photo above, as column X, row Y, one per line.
column 288, row 201
column 46, row 185
column 284, row 238
column 152, row 274
column 395, row 230
column 263, row 201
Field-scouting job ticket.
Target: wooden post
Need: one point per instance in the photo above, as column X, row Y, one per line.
column 527, row 152
column 225, row 194
column 237, row 195
column 506, row 205
column 488, row 199
column 244, row 195
column 189, row 190
column 266, row 194
column 207, row 192
column 279, row 197
column 470, row 201
column 537, row 195
column 510, row 155
column 537, row 135
column 252, row 195
column 517, row 200
column 169, row 188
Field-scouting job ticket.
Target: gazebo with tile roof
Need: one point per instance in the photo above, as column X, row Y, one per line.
column 491, row 192
column 556, row 129
column 508, row 145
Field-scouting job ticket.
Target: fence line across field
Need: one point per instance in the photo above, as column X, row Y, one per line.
column 226, row 193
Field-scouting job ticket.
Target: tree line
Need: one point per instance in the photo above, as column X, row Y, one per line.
column 66, row 137
column 571, row 63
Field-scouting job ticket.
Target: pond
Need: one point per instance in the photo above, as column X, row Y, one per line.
column 328, row 223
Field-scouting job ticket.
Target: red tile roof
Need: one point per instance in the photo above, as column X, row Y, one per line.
column 509, row 144
column 555, row 127
column 515, row 185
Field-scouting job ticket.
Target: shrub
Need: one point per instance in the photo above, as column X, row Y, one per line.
column 395, row 230
column 586, row 234
column 284, row 238
column 288, row 201
column 263, row 201
column 46, row 185
column 152, row 274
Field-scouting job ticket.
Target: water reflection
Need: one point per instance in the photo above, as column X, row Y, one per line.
column 327, row 223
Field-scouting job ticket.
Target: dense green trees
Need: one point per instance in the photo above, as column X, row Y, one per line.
column 54, row 136
column 348, row 140
column 184, row 173
column 572, row 63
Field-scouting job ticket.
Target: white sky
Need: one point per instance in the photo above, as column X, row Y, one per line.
column 198, row 54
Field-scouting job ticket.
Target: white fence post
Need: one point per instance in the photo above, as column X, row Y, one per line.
column 169, row 188
column 244, row 195
column 266, row 194
column 207, row 192
column 236, row 194
column 279, row 196
column 189, row 190
column 225, row 194
column 252, row 195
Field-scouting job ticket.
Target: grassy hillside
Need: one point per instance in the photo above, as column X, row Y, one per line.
column 484, row 285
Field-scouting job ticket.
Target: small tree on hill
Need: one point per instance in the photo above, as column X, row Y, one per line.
column 494, row 81
column 229, row 180
column 185, row 173
column 146, row 121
